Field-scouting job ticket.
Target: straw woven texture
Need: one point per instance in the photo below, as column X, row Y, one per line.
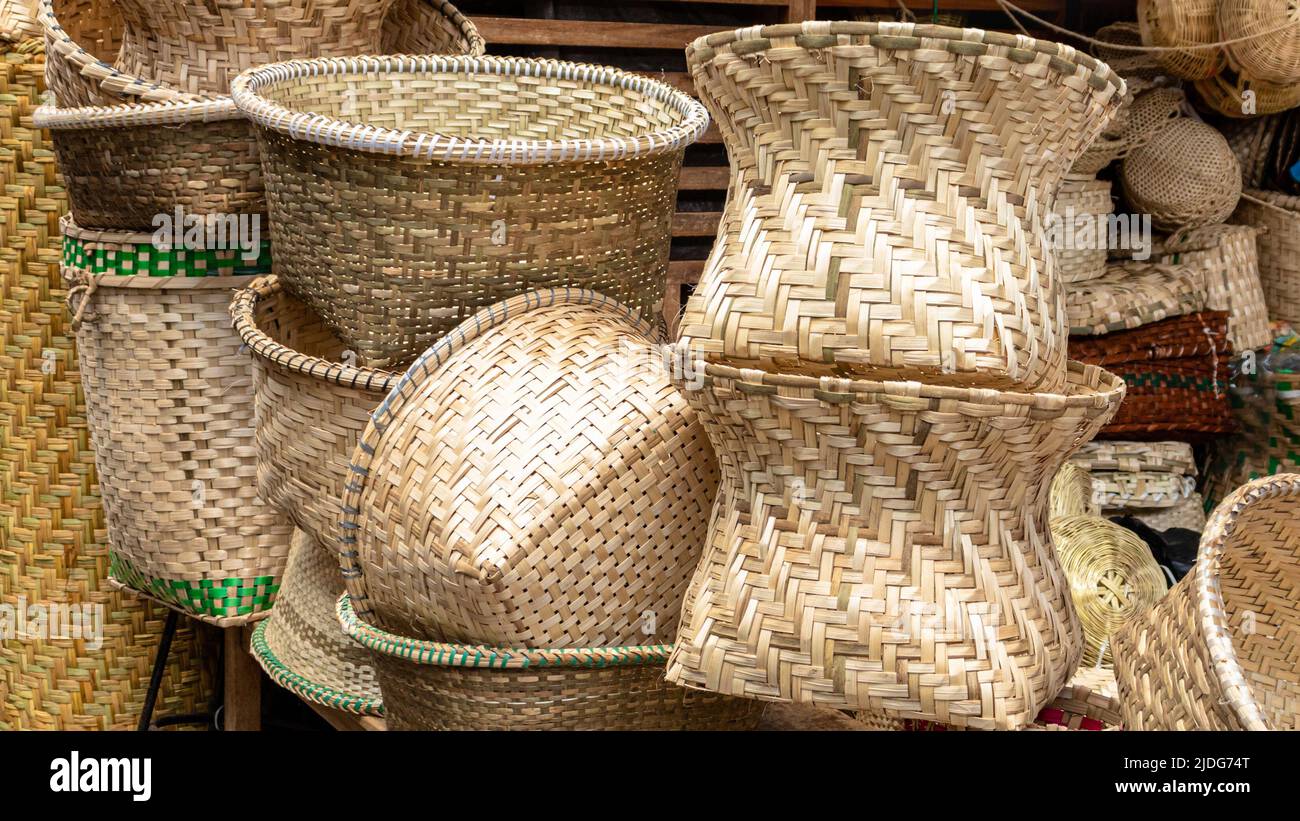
column 170, row 404
column 1278, row 219
column 1143, row 116
column 1226, row 94
column 433, row 686
column 839, row 251
column 1139, row 489
column 311, row 408
column 1251, row 141
column 1152, row 457
column 1140, row 69
column 1230, row 259
column 1080, row 201
column 533, row 480
column 1166, row 23
column 1270, row 54
column 18, row 20
column 52, row 542
column 82, row 41
column 1071, row 493
column 301, row 646
column 869, row 509
column 1189, row 514
column 1113, row 578
column 1133, row 294
column 1218, row 652
column 1184, row 177
column 396, row 221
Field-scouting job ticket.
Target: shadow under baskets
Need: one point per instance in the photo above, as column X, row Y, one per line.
column 405, row 193
column 1219, row 651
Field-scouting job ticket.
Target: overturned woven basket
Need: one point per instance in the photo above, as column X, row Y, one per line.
column 1170, row 23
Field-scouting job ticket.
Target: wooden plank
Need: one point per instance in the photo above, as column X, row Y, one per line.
column 347, row 722
column 800, row 10
column 588, row 33
column 680, row 272
column 696, row 223
column 243, row 682
column 704, row 178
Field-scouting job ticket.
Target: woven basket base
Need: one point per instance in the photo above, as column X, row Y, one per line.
column 215, row 621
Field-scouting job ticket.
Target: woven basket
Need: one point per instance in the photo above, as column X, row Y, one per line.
column 1166, row 23
column 1081, row 254
column 18, row 20
column 170, row 406
column 1238, row 96
column 1113, row 578
column 1145, row 115
column 301, row 646
column 1184, row 177
column 1278, row 218
column 1177, row 373
column 1188, row 514
column 837, row 499
column 1175, row 458
column 432, row 686
column 826, row 260
column 1071, row 493
column 395, row 222
column 1272, row 51
column 1140, row 489
column 1228, row 256
column 1218, row 653
column 311, row 408
column 82, row 41
column 1133, row 294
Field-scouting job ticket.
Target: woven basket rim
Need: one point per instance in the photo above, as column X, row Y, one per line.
column 1289, row 202
column 441, row 654
column 128, row 115
column 358, row 136
column 302, row 686
column 907, row 36
column 243, row 311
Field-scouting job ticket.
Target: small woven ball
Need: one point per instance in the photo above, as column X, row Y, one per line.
column 1184, row 177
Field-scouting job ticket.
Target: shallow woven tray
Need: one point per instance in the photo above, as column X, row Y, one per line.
column 1152, row 457
column 1132, row 294
column 1138, row 489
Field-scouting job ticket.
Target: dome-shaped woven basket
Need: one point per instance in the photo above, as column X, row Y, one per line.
column 169, row 401
column 1071, row 492
column 1079, row 228
column 1230, row 259
column 1239, row 96
column 302, row 648
column 1132, row 294
column 1219, row 651
column 1277, row 216
column 1169, row 23
column 311, row 407
column 407, row 193
column 1269, row 31
column 1113, row 578
column 853, row 149
column 1184, row 177
column 837, row 498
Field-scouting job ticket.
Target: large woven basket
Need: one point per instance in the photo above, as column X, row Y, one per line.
column 1230, row 260
column 82, row 41
column 828, row 259
column 311, row 407
column 1169, row 23
column 899, row 523
column 1186, row 176
column 1278, row 218
column 395, row 221
column 1268, row 35
column 170, row 406
column 1218, row 653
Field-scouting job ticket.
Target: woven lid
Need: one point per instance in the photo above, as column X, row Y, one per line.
column 1268, row 32
column 533, row 480
column 1185, row 176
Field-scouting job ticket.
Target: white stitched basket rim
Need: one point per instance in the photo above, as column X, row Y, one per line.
column 130, row 115
column 319, row 128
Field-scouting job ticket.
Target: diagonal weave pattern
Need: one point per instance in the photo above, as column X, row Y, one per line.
column 1278, row 218
column 891, row 183
column 1229, row 257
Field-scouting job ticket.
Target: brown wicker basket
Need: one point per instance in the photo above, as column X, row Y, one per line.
column 170, row 406
column 1269, row 35
column 82, row 41
column 1278, row 218
column 1228, row 256
column 311, row 408
column 1166, row 23
column 1186, row 176
column 1218, row 653
column 837, row 499
column 826, row 260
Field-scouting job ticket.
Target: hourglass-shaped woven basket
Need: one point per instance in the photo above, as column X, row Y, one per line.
column 1218, row 652
column 1169, row 23
column 891, row 183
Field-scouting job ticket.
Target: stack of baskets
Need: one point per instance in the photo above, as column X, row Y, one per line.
column 1153, row 481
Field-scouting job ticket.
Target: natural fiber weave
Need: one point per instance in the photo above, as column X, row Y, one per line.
column 1113, row 578
column 839, row 251
column 170, row 404
column 1184, row 177
column 871, row 509
column 1071, row 493
column 1079, row 203
column 311, row 408
column 396, row 221
column 1189, row 514
column 1227, row 93
column 1230, row 260
column 1251, row 141
column 1218, row 652
column 1174, row 458
column 82, row 41
column 1146, row 115
column 301, row 646
column 432, row 686
column 1139, row 489
column 1141, row 70
column 1272, row 51
column 1278, row 218
column 1166, row 23
column 1132, row 294
column 18, row 20
column 534, row 479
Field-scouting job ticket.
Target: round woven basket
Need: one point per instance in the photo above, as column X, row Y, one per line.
column 1170, row 23
column 169, row 403
column 1184, row 177
column 82, row 41
column 1218, row 652
column 1277, row 216
column 1228, row 256
column 1071, row 493
column 301, row 647
column 429, row 685
column 841, row 492
column 1132, row 294
column 1081, row 252
column 829, row 266
column 1174, row 458
column 1113, row 578
column 1239, row 96
column 311, row 407
column 1272, row 51
column 395, row 221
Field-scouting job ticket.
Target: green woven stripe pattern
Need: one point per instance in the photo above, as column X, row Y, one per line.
column 214, row 598
column 1173, row 380
column 305, row 688
column 144, row 259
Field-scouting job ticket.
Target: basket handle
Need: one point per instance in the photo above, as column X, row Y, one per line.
column 86, row 286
